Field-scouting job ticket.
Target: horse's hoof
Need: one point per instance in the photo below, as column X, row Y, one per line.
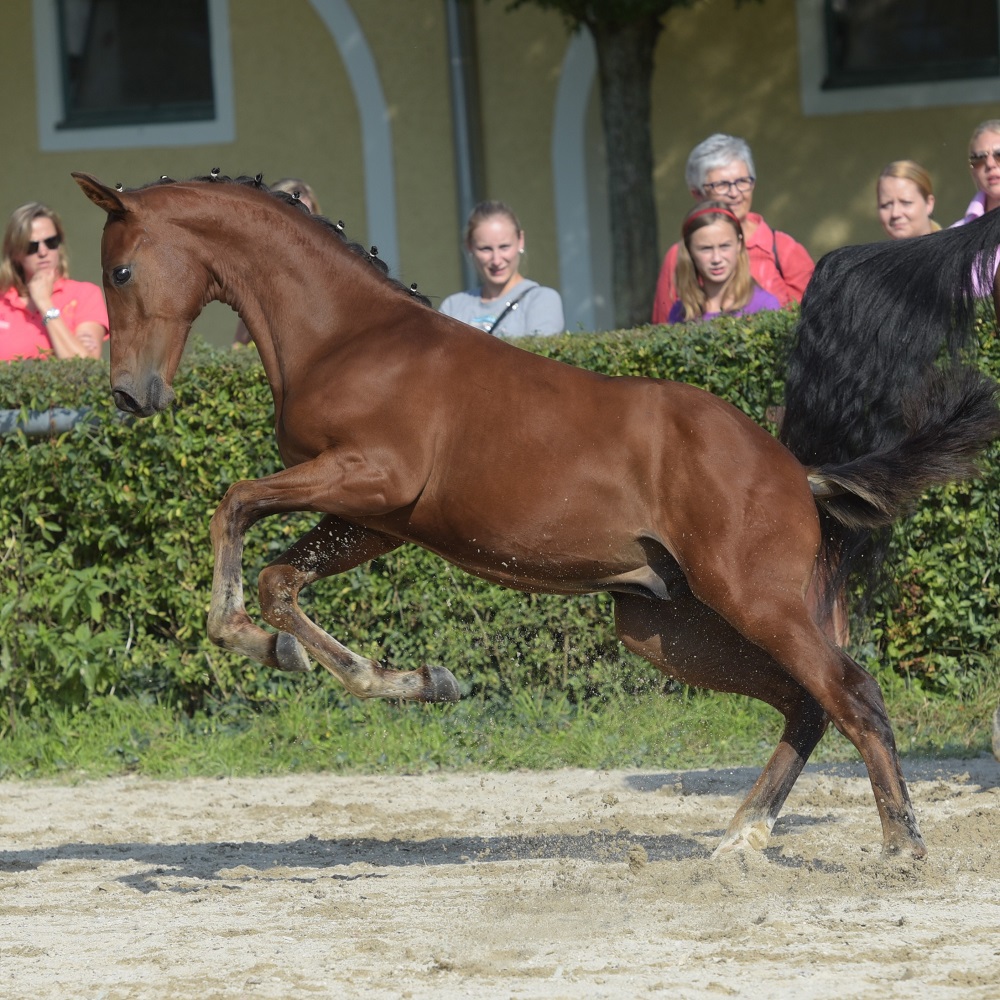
column 750, row 838
column 910, row 848
column 996, row 733
column 290, row 655
column 439, row 685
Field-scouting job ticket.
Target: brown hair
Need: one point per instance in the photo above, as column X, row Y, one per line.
column 910, row 170
column 486, row 210
column 16, row 238
column 689, row 288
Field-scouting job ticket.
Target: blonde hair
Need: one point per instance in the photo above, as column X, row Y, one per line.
column 292, row 184
column 910, row 170
column 990, row 125
column 486, row 210
column 689, row 288
column 16, row 238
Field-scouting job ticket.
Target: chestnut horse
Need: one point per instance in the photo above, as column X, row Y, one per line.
column 398, row 424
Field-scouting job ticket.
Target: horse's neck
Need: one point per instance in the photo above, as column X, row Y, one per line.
column 281, row 272
column 253, row 281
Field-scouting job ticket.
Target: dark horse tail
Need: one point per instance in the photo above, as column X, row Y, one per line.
column 950, row 425
column 881, row 401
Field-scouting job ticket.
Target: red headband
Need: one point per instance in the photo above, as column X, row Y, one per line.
column 710, row 211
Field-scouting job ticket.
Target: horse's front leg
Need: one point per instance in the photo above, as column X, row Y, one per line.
column 331, row 547
column 335, row 546
column 229, row 625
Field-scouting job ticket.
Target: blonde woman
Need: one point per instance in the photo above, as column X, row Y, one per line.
column 984, row 165
column 905, row 199
column 43, row 312
column 505, row 303
column 713, row 268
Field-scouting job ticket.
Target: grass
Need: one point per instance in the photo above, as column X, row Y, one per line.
column 313, row 733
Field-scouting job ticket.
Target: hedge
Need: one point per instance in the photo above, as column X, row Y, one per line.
column 105, row 560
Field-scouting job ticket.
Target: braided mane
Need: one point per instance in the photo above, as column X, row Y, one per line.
column 336, row 228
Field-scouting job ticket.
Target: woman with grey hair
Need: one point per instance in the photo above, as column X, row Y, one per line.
column 721, row 168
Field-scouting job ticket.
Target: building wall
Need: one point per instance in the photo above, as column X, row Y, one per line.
column 302, row 109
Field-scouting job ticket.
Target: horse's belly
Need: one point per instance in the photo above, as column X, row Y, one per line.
column 646, row 568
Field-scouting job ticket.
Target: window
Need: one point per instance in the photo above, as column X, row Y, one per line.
column 115, row 73
column 869, row 55
column 112, row 75
column 909, row 41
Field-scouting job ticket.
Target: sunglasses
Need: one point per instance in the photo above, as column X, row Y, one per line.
column 978, row 159
column 52, row 243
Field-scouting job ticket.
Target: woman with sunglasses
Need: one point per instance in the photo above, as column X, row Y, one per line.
column 984, row 163
column 43, row 312
column 721, row 169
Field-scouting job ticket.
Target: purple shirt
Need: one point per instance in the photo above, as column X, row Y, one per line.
column 759, row 299
column 977, row 207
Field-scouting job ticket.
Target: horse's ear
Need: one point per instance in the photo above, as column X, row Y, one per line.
column 100, row 194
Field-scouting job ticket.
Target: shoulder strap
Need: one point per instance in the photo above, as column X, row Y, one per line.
column 510, row 307
column 774, row 250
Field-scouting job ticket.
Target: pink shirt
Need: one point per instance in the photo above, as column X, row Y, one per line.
column 786, row 284
column 22, row 332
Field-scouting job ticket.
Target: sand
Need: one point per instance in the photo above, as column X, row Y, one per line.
column 547, row 885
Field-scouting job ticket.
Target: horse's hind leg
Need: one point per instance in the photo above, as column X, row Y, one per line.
column 770, row 613
column 690, row 642
column 805, row 724
column 335, row 546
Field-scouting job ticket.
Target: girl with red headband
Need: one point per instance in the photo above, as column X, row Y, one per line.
column 713, row 269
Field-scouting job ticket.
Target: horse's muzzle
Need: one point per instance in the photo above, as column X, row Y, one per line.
column 152, row 398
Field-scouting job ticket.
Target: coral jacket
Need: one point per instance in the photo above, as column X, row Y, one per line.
column 22, row 332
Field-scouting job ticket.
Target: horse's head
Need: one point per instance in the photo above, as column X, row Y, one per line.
column 155, row 287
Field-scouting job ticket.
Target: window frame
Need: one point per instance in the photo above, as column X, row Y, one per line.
column 811, row 30
column 50, row 96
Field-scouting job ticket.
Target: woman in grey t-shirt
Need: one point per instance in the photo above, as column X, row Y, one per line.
column 506, row 303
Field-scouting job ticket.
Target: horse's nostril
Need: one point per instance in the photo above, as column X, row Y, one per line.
column 124, row 401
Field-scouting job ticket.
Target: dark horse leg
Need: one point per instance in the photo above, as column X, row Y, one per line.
column 690, row 642
column 333, row 546
column 799, row 671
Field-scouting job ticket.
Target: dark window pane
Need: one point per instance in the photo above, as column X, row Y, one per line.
column 135, row 62
column 881, row 42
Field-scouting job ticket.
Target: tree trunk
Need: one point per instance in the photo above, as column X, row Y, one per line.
column 625, row 68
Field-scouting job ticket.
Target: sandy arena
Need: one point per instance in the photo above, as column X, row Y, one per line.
column 552, row 885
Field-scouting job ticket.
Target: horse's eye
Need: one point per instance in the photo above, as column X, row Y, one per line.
column 120, row 275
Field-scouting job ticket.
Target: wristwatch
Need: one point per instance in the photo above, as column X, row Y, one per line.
column 50, row 314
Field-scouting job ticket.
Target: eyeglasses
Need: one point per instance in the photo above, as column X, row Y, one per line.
column 52, row 243
column 742, row 184
column 979, row 159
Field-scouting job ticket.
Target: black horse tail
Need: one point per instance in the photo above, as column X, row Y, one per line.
column 949, row 426
column 875, row 321
column 879, row 324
